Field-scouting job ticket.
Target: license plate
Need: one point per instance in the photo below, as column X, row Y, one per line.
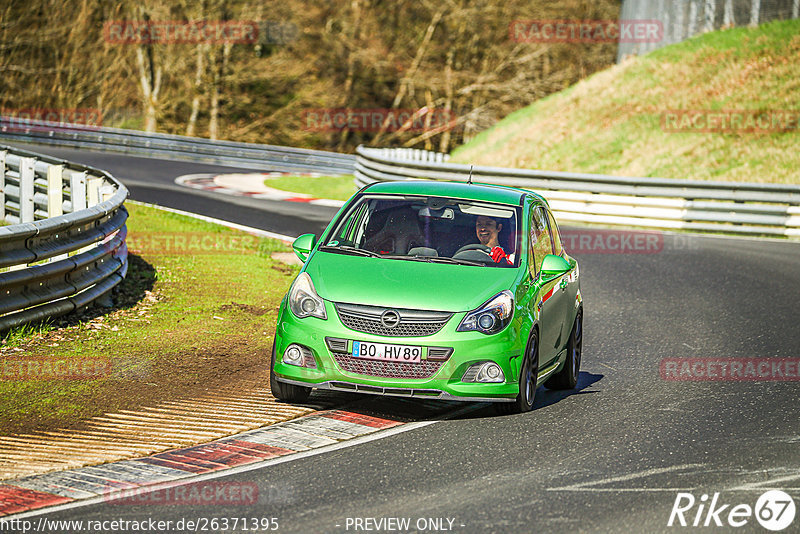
column 387, row 353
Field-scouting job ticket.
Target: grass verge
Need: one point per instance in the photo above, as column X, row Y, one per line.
column 611, row 123
column 197, row 310
column 331, row 187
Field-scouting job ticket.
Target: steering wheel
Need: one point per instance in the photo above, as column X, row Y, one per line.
column 474, row 246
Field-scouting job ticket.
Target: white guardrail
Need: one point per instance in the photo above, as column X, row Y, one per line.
column 63, row 246
column 695, row 205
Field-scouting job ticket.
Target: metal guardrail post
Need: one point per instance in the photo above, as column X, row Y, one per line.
column 55, row 191
column 77, row 191
column 93, row 191
column 26, row 177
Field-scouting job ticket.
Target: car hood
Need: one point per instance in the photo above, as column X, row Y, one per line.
column 406, row 284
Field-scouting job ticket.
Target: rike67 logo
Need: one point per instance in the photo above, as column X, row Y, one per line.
column 774, row 510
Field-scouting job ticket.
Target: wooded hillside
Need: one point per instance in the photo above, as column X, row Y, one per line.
column 455, row 56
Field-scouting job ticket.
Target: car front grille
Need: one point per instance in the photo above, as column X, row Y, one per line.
column 367, row 319
column 361, row 366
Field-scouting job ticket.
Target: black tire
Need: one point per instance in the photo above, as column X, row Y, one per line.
column 285, row 392
column 567, row 378
column 528, row 376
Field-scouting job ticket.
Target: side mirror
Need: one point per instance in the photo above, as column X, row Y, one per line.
column 303, row 245
column 553, row 266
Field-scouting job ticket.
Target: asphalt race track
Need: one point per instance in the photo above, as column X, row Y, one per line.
column 609, row 457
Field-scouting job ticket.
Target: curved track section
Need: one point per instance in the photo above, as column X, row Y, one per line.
column 152, row 180
column 611, row 456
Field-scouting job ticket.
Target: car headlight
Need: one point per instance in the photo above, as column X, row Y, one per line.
column 303, row 299
column 492, row 317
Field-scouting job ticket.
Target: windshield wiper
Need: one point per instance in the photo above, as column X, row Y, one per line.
column 407, row 258
column 445, row 259
column 350, row 250
column 436, row 259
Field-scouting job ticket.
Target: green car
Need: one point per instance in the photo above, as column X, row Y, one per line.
column 432, row 290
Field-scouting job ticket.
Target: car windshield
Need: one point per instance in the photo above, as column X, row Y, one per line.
column 431, row 229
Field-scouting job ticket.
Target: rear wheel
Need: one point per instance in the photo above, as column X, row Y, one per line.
column 528, row 375
column 285, row 392
column 567, row 378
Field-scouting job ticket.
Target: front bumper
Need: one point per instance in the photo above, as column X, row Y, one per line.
column 334, row 370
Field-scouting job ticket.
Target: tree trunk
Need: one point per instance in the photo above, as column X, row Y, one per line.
column 198, row 85
column 150, row 81
column 355, row 36
column 444, row 141
column 219, row 74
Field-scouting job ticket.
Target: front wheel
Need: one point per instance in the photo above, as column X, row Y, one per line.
column 528, row 376
column 285, row 392
column 567, row 378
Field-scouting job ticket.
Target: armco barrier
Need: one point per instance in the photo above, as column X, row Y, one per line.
column 700, row 206
column 64, row 246
column 166, row 146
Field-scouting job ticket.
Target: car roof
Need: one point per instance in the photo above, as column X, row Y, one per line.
column 475, row 191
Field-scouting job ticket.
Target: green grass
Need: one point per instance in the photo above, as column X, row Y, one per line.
column 610, row 123
column 183, row 321
column 331, row 187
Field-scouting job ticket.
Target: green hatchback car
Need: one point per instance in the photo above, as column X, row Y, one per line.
column 435, row 290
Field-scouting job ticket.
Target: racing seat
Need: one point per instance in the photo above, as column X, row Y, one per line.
column 399, row 234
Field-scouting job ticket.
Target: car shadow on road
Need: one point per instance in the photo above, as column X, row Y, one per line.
column 409, row 410
column 546, row 397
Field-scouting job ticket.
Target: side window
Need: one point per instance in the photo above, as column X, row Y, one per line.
column 554, row 235
column 540, row 241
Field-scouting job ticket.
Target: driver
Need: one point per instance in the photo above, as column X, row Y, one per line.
column 488, row 230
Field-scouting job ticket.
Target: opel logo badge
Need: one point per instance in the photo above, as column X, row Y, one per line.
column 390, row 318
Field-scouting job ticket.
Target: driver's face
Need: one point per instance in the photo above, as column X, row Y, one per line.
column 487, row 230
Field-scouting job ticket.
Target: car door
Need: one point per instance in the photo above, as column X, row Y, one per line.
column 549, row 323
column 559, row 302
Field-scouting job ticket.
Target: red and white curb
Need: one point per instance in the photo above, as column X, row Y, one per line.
column 251, row 185
column 245, row 451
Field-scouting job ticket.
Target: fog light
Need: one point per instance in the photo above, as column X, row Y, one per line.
column 293, row 356
column 485, row 372
column 490, row 372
